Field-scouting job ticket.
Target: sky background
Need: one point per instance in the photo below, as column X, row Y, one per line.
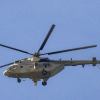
column 25, row 23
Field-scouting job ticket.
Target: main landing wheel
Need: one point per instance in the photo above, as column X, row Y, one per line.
column 44, row 83
column 18, row 80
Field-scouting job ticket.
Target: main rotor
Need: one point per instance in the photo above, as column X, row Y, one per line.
column 38, row 54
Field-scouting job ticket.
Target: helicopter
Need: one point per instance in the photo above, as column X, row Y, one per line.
column 39, row 68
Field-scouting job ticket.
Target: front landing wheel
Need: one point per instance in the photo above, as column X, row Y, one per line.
column 18, row 80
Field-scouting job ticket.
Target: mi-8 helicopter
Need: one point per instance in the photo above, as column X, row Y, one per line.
column 40, row 68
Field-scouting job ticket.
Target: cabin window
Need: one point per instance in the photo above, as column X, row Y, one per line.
column 21, row 66
column 46, row 65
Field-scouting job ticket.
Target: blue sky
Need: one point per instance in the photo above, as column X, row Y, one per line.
column 24, row 24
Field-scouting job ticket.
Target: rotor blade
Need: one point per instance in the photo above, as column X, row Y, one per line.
column 16, row 49
column 68, row 50
column 6, row 65
column 46, row 38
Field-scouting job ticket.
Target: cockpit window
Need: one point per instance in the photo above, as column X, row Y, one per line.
column 12, row 68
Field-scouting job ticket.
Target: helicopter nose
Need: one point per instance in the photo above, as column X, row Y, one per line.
column 6, row 73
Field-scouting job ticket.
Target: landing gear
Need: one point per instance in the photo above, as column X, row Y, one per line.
column 45, row 75
column 35, row 83
column 44, row 83
column 18, row 80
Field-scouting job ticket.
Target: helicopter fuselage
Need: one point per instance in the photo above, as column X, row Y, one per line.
column 36, row 70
